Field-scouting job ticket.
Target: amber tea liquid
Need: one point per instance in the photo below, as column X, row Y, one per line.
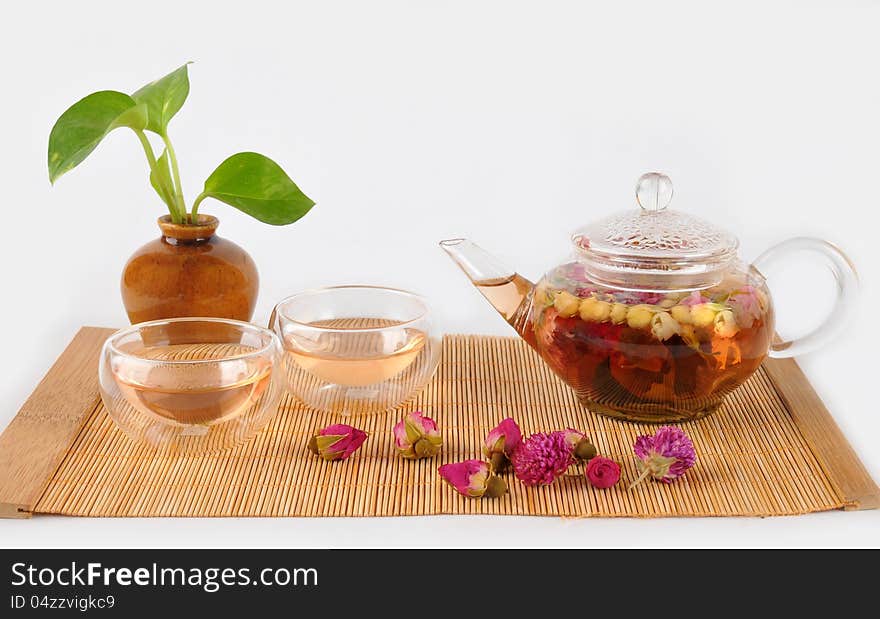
column 505, row 294
column 196, row 394
column 357, row 358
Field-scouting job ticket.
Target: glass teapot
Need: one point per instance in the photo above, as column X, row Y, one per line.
column 655, row 318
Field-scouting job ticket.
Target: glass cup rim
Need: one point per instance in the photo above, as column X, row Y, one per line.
column 424, row 311
column 245, row 326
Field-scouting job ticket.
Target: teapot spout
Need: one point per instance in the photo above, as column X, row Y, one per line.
column 509, row 292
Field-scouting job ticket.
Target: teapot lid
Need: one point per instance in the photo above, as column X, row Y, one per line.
column 655, row 247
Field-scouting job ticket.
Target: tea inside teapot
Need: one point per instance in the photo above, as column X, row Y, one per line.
column 646, row 355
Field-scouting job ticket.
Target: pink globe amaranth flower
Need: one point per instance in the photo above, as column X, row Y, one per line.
column 603, row 472
column 417, row 436
column 501, row 442
column 337, row 441
column 469, row 478
column 542, row 458
column 665, row 456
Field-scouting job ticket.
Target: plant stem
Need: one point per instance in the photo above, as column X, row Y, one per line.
column 645, row 472
column 195, row 209
column 151, row 159
column 178, row 189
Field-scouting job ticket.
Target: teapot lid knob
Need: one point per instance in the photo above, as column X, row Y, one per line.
column 654, row 191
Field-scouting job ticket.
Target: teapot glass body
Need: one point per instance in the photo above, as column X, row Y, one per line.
column 670, row 355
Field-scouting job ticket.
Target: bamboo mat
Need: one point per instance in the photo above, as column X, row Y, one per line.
column 757, row 456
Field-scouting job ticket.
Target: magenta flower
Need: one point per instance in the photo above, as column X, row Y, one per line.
column 472, row 479
column 648, row 298
column 582, row 292
column 542, row 458
column 417, row 436
column 694, row 298
column 581, row 447
column 665, row 456
column 501, row 442
column 603, row 472
column 337, row 442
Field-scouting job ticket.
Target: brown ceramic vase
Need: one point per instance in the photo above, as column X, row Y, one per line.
column 189, row 271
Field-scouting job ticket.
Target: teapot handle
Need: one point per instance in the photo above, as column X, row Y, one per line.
column 847, row 281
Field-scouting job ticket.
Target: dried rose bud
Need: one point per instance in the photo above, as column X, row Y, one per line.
column 500, row 444
column 472, row 479
column 417, row 436
column 665, row 456
column 496, row 487
column 603, row 472
column 581, row 447
column 337, row 442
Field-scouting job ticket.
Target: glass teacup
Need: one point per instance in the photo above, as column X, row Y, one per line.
column 356, row 349
column 191, row 385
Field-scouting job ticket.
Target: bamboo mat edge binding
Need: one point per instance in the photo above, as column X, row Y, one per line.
column 784, row 474
column 824, row 437
column 38, row 438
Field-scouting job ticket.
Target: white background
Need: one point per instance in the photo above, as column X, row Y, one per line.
column 409, row 122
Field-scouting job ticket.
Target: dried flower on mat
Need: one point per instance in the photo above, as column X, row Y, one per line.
column 501, row 442
column 665, row 456
column 581, row 447
column 337, row 442
column 472, row 478
column 541, row 458
column 417, row 436
column 603, row 472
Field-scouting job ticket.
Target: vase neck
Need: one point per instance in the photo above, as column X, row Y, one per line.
column 176, row 234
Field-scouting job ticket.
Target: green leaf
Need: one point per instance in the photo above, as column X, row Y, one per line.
column 164, row 98
column 161, row 178
column 258, row 186
column 85, row 123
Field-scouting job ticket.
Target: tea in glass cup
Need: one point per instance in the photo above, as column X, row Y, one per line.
column 356, row 349
column 191, row 384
